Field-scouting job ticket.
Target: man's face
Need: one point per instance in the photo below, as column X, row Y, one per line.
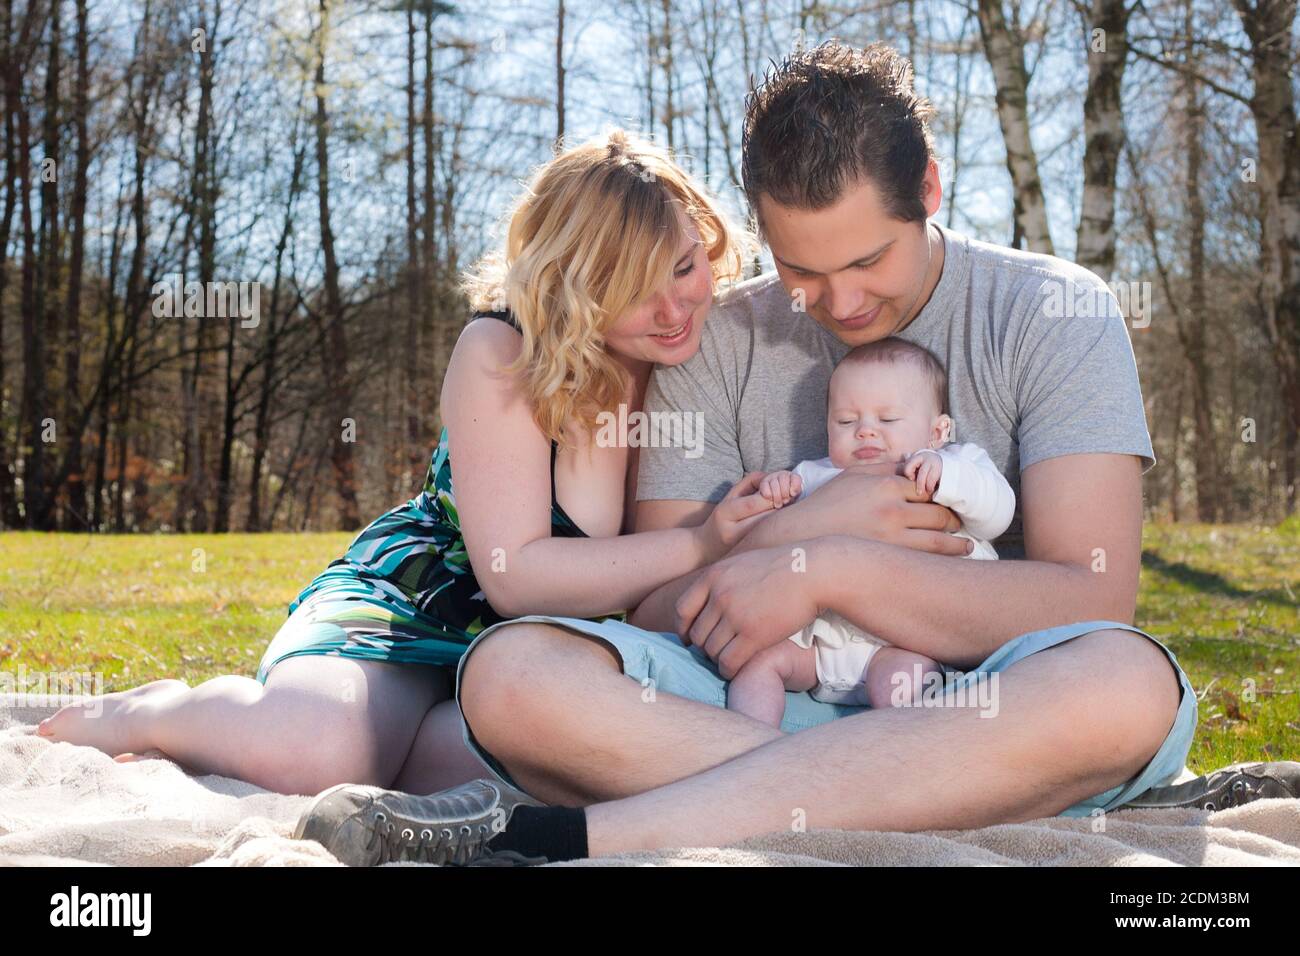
column 864, row 274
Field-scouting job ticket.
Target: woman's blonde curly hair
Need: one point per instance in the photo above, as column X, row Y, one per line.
column 594, row 234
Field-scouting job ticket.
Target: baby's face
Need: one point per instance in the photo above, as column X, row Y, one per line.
column 880, row 411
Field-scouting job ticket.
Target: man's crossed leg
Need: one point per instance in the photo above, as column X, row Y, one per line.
column 1084, row 718
column 554, row 711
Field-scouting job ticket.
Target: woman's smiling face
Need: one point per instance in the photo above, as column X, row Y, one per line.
column 665, row 328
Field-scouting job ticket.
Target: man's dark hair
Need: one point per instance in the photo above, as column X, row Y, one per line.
column 833, row 114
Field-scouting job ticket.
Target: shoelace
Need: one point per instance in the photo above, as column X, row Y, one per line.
column 432, row 846
column 1239, row 794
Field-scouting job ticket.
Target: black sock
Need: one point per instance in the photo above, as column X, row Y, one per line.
column 557, row 833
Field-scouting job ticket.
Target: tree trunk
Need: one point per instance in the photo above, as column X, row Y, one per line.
column 431, row 268
column 666, row 52
column 1004, row 48
column 1269, row 24
column 262, row 422
column 49, row 265
column 195, row 398
column 415, row 280
column 1103, row 134
column 12, row 78
column 32, row 408
column 1192, row 320
column 335, row 345
column 136, row 298
column 76, row 484
column 225, row 478
column 559, row 77
column 1175, row 468
column 447, row 329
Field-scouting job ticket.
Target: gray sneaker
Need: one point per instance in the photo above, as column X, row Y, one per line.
column 366, row 826
column 1230, row 787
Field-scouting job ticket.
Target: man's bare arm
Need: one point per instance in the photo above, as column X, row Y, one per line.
column 870, row 502
column 1083, row 524
column 1083, row 537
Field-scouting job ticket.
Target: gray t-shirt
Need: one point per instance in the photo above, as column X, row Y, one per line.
column 1037, row 352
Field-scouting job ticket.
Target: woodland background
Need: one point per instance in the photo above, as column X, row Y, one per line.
column 352, row 157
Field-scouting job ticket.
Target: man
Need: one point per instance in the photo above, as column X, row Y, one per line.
column 1090, row 712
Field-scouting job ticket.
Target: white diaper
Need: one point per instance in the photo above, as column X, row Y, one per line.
column 843, row 650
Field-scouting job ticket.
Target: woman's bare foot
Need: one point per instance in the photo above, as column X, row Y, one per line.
column 115, row 723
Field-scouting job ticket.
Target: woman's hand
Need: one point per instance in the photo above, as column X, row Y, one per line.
column 732, row 517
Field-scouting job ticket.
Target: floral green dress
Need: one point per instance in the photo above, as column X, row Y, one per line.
column 404, row 591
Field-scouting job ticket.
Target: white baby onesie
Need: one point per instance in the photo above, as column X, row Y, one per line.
column 978, row 494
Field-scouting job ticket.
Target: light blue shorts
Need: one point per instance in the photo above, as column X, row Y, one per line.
column 658, row 660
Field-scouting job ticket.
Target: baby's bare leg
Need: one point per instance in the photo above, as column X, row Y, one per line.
column 895, row 677
column 758, row 691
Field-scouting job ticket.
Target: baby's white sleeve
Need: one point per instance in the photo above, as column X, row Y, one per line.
column 814, row 474
column 972, row 486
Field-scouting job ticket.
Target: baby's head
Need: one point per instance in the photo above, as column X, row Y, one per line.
column 886, row 401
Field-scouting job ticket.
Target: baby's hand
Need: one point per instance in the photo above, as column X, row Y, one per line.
column 925, row 467
column 780, row 487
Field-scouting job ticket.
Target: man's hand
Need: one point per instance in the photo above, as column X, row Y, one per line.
column 746, row 603
column 870, row 500
column 886, row 507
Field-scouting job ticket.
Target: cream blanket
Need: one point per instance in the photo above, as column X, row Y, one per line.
column 61, row 804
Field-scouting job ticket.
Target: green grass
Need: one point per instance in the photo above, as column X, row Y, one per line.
column 133, row 609
column 137, row 608
column 1226, row 600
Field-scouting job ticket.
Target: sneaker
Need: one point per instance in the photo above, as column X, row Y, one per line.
column 1230, row 787
column 367, row 826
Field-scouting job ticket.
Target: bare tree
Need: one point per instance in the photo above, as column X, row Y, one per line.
column 334, row 345
column 76, row 484
column 1005, row 48
column 559, row 74
column 1103, row 133
column 1269, row 24
column 1193, row 320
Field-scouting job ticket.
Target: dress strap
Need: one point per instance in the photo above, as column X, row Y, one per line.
column 555, row 501
column 505, row 316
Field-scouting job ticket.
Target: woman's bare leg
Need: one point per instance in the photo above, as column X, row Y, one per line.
column 318, row 720
column 439, row 758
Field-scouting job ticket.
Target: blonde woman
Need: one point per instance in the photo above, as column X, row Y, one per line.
column 608, row 266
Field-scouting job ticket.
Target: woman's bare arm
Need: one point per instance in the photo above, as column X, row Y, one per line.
column 503, row 497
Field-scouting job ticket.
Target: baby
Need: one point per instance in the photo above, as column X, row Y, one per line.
column 885, row 404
